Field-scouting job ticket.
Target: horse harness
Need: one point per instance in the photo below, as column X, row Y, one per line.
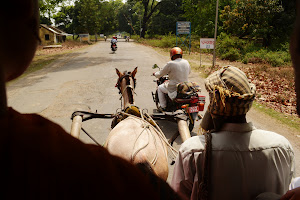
column 127, row 75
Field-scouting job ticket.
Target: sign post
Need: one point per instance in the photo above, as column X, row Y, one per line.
column 206, row 43
column 215, row 37
column 183, row 28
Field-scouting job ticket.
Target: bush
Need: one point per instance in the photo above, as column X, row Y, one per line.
column 232, row 54
column 230, row 48
column 274, row 58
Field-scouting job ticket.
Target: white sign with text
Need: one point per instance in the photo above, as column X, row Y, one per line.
column 207, row 43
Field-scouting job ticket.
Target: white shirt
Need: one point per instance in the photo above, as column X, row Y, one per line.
column 178, row 71
column 245, row 162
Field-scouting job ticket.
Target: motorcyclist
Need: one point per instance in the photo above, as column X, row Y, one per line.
column 178, row 70
column 114, row 40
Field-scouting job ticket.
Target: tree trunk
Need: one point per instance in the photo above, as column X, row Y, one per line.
column 147, row 14
column 144, row 28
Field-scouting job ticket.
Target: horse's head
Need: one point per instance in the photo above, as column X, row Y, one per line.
column 126, row 84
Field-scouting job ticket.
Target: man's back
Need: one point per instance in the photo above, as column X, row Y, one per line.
column 245, row 163
column 178, row 71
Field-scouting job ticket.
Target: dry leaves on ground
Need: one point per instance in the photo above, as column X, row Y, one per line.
column 275, row 87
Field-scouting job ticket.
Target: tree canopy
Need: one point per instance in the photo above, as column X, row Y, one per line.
column 270, row 20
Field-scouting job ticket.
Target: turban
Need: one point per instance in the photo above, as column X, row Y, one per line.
column 230, row 93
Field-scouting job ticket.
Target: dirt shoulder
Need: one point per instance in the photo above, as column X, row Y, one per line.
column 45, row 56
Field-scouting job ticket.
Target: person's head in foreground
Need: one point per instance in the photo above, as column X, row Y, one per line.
column 231, row 96
column 20, row 21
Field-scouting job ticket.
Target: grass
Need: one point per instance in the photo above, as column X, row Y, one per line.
column 291, row 121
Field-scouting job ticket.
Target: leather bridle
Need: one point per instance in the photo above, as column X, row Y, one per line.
column 126, row 75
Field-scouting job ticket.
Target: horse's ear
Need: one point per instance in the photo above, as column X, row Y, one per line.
column 134, row 72
column 119, row 73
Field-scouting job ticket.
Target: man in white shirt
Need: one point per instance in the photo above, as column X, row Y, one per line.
column 234, row 160
column 178, row 70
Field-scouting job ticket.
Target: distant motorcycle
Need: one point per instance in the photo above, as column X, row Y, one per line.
column 114, row 47
column 188, row 100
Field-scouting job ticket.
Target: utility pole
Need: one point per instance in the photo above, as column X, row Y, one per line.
column 215, row 37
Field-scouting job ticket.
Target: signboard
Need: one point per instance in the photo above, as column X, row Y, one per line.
column 101, row 35
column 207, row 43
column 183, row 28
column 84, row 37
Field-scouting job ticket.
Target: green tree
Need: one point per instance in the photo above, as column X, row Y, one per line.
column 202, row 15
column 164, row 22
column 254, row 18
column 109, row 16
column 88, row 15
column 64, row 19
column 149, row 7
column 47, row 8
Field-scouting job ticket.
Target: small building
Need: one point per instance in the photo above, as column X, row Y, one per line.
column 51, row 35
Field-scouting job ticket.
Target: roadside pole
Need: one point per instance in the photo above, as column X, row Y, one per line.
column 215, row 37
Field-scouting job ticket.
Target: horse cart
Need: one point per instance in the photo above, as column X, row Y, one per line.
column 135, row 136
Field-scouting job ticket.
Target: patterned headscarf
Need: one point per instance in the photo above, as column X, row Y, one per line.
column 230, row 93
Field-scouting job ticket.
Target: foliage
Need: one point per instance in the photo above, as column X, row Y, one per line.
column 234, row 49
column 88, row 15
column 64, row 19
column 164, row 22
column 45, row 20
column 202, row 15
column 276, row 59
column 251, row 24
column 255, row 18
column 47, row 8
column 149, row 7
column 166, row 41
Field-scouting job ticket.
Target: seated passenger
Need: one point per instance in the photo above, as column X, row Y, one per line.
column 233, row 160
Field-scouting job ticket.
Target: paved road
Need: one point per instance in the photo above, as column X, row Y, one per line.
column 87, row 78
